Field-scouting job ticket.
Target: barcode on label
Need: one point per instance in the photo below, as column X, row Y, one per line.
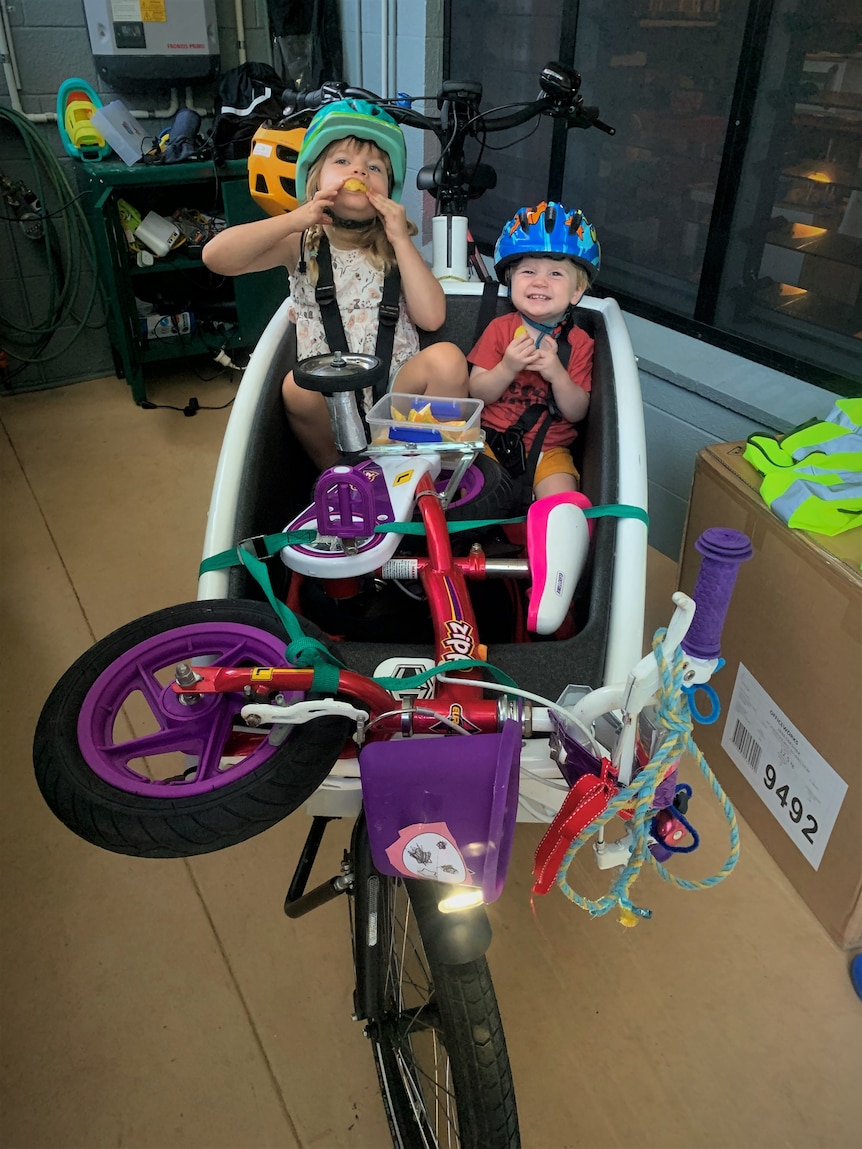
column 745, row 743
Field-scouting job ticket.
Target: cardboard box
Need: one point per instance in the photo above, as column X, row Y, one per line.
column 788, row 745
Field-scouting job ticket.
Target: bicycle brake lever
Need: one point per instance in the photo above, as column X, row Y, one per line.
column 256, row 713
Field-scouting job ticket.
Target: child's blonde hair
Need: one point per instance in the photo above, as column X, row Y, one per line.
column 373, row 238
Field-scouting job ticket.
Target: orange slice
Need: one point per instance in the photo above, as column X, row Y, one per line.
column 354, row 185
column 519, row 331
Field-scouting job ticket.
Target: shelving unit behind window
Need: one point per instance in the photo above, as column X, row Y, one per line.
column 810, row 257
column 729, row 202
column 663, row 74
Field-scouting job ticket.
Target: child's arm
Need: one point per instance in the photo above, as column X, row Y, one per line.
column 265, row 243
column 423, row 295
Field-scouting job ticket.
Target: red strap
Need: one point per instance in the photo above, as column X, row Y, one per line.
column 586, row 800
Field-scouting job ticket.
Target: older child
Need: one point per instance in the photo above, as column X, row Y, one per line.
column 349, row 177
column 533, row 368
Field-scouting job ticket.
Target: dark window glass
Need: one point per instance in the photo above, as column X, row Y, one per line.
column 729, row 202
column 792, row 274
column 663, row 73
column 504, row 44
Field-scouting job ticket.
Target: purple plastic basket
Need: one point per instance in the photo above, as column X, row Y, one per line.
column 444, row 808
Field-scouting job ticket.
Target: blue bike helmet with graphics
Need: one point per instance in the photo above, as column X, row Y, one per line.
column 364, row 121
column 552, row 230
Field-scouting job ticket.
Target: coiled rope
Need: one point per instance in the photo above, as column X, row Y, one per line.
column 674, row 714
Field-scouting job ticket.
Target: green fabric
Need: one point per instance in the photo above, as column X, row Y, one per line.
column 812, row 478
column 612, row 510
column 308, row 652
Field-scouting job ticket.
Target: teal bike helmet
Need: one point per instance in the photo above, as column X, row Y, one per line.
column 359, row 118
column 552, row 230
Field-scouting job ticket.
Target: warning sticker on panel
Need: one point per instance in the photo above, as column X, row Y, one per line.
column 796, row 784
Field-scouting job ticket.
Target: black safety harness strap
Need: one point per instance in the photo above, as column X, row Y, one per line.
column 333, row 327
column 508, row 445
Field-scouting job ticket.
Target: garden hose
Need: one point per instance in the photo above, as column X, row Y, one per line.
column 70, row 255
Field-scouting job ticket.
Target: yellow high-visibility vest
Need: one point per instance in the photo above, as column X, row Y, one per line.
column 812, row 478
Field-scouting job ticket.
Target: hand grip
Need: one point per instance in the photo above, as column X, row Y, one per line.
column 723, row 551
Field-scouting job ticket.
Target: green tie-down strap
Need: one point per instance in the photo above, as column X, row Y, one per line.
column 302, row 650
column 264, row 546
column 612, row 510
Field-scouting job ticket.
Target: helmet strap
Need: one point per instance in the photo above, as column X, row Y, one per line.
column 351, row 224
column 554, row 329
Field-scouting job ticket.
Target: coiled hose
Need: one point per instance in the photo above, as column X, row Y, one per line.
column 70, row 256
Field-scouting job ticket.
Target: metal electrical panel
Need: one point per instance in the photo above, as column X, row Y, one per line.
column 136, row 42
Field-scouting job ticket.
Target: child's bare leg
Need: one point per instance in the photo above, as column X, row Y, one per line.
column 555, row 485
column 440, row 369
column 309, row 419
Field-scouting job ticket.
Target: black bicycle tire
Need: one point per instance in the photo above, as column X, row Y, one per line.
column 494, row 501
column 470, row 1028
column 185, row 826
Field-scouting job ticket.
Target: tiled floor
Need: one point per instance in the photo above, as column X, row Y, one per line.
column 171, row 1005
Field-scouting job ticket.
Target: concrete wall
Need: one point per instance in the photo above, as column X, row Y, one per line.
column 695, row 394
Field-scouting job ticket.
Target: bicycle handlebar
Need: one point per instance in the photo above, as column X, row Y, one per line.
column 723, row 551
column 560, row 100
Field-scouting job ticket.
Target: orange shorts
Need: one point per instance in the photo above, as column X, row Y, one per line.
column 556, row 461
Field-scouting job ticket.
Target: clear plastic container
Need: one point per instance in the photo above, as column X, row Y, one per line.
column 398, row 418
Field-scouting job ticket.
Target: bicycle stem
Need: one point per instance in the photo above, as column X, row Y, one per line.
column 455, row 630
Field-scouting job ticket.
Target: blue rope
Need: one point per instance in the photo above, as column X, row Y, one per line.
column 675, row 716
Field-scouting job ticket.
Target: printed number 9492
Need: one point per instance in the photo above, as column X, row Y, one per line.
column 796, row 811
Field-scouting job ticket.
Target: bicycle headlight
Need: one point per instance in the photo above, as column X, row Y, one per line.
column 461, row 898
column 559, row 82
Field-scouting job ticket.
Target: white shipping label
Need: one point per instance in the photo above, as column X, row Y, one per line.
column 126, row 10
column 797, row 785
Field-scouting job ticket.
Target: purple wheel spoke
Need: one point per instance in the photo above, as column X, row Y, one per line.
column 212, row 749
column 200, row 730
column 169, row 741
column 149, row 686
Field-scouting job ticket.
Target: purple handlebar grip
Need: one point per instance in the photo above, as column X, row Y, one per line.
column 723, row 550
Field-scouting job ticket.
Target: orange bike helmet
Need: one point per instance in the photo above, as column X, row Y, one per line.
column 272, row 168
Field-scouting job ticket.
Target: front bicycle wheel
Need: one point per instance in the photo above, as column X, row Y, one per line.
column 435, row 1027
column 130, row 766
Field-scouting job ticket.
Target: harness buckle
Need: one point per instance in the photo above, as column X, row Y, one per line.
column 256, row 545
column 508, row 446
column 324, row 293
column 388, row 313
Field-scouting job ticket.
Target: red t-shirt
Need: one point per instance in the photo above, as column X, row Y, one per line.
column 529, row 387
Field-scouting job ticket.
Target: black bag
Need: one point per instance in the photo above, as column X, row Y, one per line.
column 246, row 97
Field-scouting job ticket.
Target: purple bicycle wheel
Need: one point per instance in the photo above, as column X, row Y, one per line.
column 469, row 490
column 133, row 728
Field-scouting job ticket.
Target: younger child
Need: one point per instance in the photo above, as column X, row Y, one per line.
column 349, row 177
column 533, row 368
